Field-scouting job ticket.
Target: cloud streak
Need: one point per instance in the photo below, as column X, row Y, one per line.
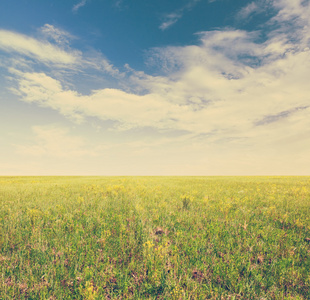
column 254, row 8
column 80, row 4
column 42, row 51
column 57, row 35
column 248, row 10
column 52, row 49
column 172, row 18
column 281, row 115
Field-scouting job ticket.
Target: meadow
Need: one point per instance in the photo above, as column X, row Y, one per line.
column 155, row 238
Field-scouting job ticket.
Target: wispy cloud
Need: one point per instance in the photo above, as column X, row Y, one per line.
column 57, row 35
column 51, row 48
column 279, row 116
column 248, row 10
column 254, row 8
column 172, row 18
column 80, row 4
column 42, row 51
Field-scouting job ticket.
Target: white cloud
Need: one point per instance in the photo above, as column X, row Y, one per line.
column 61, row 37
column 107, row 104
column 206, row 95
column 80, row 4
column 216, row 85
column 248, row 10
column 171, row 18
column 53, row 50
column 42, row 51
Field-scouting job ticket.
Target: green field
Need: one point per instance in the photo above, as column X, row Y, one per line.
column 155, row 237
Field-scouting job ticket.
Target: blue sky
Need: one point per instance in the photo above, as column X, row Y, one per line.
column 120, row 87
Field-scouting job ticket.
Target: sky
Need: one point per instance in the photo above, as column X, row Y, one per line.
column 154, row 87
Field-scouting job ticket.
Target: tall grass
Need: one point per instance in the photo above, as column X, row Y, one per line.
column 155, row 237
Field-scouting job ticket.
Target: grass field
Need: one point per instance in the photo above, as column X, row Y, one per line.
column 155, row 237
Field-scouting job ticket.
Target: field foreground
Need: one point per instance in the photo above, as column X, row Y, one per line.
column 155, row 237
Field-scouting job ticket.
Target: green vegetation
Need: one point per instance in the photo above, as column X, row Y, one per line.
column 155, row 237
